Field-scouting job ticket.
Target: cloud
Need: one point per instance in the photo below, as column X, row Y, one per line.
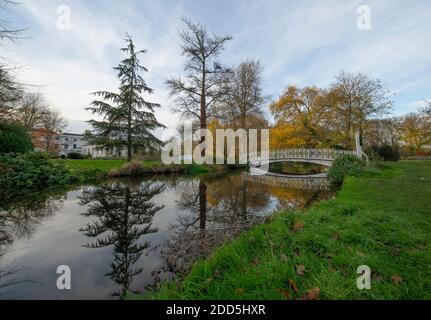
column 306, row 43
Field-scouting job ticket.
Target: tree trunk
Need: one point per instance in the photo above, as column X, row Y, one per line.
column 202, row 205
column 203, row 111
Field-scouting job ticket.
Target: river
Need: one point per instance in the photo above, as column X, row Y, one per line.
column 126, row 235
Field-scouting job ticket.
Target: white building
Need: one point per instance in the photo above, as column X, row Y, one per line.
column 100, row 152
column 71, row 142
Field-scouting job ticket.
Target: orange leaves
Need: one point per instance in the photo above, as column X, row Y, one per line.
column 297, row 226
column 284, row 293
column 314, row 294
column 300, row 114
column 284, row 136
column 396, row 279
column 293, row 285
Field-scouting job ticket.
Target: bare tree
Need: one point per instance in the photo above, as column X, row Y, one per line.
column 10, row 93
column 196, row 95
column 426, row 111
column 53, row 122
column 6, row 31
column 31, row 110
column 244, row 96
column 362, row 98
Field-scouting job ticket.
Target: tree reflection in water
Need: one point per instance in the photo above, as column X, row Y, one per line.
column 19, row 218
column 212, row 211
column 124, row 213
column 216, row 210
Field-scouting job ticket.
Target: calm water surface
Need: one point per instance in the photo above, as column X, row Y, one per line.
column 126, row 235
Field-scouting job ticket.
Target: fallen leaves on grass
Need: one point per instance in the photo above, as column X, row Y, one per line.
column 336, row 236
column 293, row 285
column 314, row 293
column 255, row 262
column 297, row 226
column 396, row 279
column 239, row 290
column 284, row 293
column 283, row 257
column 300, row 270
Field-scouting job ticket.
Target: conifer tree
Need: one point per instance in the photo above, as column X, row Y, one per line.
column 128, row 121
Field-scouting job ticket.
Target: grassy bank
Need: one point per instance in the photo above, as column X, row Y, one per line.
column 120, row 167
column 104, row 165
column 382, row 220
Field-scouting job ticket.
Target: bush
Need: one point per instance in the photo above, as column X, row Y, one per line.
column 31, row 170
column 386, row 152
column 75, row 155
column 344, row 166
column 14, row 138
column 136, row 168
column 63, row 156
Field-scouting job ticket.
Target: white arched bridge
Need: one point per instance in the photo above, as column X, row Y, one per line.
column 259, row 164
column 259, row 167
column 319, row 156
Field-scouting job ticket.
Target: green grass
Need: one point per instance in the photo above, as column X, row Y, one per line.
column 102, row 164
column 382, row 220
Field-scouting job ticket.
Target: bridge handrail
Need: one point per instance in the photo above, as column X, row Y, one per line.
column 312, row 154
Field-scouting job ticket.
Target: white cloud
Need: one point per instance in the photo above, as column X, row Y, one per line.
column 305, row 43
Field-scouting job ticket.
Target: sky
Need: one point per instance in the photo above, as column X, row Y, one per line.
column 298, row 42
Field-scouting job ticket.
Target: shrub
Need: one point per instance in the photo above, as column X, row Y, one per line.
column 63, row 156
column 131, row 169
column 136, row 168
column 31, row 170
column 386, row 152
column 75, row 155
column 344, row 166
column 14, row 138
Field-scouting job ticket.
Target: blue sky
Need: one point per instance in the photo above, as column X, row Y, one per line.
column 298, row 42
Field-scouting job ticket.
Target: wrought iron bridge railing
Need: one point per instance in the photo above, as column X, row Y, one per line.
column 302, row 154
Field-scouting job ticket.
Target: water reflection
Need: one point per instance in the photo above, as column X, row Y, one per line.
column 212, row 211
column 19, row 218
column 217, row 210
column 123, row 213
column 123, row 235
column 23, row 214
column 296, row 168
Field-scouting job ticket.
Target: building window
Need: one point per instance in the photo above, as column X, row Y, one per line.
column 66, row 139
column 74, row 146
column 66, row 147
column 75, row 139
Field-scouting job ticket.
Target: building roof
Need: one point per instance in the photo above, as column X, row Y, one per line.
column 71, row 134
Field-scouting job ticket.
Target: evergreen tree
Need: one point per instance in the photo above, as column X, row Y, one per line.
column 122, row 216
column 128, row 120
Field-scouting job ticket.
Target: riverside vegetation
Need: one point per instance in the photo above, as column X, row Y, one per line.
column 314, row 254
column 21, row 171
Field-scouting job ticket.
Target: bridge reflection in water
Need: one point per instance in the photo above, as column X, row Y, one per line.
column 315, row 182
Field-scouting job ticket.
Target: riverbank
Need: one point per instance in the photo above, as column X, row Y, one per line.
column 382, row 220
column 115, row 168
column 22, row 173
